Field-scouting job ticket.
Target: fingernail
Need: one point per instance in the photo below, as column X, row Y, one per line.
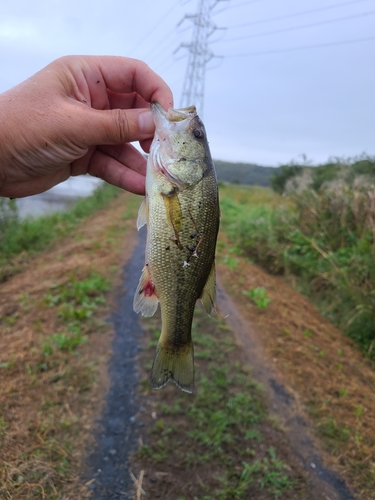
column 146, row 122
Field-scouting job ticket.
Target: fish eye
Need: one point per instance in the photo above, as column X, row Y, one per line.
column 198, row 133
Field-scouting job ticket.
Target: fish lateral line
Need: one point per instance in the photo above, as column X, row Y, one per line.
column 194, row 224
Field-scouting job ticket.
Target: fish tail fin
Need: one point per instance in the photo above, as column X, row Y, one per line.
column 176, row 365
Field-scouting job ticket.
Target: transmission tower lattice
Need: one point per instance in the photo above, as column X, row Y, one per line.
column 199, row 55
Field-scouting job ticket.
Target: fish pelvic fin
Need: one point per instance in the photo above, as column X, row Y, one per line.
column 145, row 299
column 208, row 296
column 176, row 365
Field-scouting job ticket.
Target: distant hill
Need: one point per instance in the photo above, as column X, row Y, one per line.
column 244, row 173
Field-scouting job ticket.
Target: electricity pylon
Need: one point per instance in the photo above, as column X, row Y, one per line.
column 199, row 54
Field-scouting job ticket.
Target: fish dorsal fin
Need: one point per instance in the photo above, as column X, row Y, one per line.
column 208, row 296
column 142, row 214
column 145, row 299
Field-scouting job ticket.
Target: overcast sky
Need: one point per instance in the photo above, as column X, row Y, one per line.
column 295, row 77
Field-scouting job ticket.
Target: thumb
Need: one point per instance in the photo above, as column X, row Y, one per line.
column 116, row 126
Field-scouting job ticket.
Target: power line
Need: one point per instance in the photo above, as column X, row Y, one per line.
column 305, row 47
column 302, row 13
column 158, row 45
column 163, row 18
column 294, row 28
column 238, row 5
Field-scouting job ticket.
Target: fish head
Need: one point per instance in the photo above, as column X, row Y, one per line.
column 180, row 146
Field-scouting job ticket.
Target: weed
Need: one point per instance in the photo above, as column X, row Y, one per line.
column 231, row 262
column 359, row 411
column 328, row 428
column 258, row 296
column 2, row 428
column 342, row 392
column 308, row 333
column 63, row 342
column 8, row 364
column 78, row 300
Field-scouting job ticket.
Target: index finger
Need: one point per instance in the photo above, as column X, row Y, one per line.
column 124, row 75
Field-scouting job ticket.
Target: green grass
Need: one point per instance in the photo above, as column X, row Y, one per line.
column 222, row 433
column 34, row 234
column 75, row 303
column 258, row 296
column 78, row 300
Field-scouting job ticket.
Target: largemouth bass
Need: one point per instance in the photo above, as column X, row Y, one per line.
column 181, row 210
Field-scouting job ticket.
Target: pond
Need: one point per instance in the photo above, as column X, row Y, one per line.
column 60, row 197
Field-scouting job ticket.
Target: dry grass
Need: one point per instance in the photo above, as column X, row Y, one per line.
column 49, row 397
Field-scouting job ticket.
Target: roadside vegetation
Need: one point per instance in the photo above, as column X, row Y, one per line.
column 20, row 238
column 321, row 243
column 320, row 234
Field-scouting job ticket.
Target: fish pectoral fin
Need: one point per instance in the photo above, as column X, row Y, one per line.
column 145, row 299
column 173, row 211
column 176, row 365
column 142, row 214
column 208, row 296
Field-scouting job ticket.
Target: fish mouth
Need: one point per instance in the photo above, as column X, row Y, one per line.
column 162, row 117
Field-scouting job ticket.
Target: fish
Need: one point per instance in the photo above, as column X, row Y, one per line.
column 181, row 211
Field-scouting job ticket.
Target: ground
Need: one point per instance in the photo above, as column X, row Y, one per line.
column 314, row 407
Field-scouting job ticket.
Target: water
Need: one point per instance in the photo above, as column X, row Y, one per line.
column 59, row 198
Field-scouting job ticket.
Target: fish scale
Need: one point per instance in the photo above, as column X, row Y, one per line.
column 181, row 211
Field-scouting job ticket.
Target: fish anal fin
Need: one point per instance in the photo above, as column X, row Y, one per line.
column 142, row 218
column 145, row 299
column 173, row 364
column 208, row 296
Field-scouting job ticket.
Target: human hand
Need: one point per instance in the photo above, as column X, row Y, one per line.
column 77, row 116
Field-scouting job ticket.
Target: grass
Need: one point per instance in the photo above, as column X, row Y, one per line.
column 258, row 296
column 40, row 472
column 302, row 343
column 321, row 240
column 219, row 435
column 20, row 237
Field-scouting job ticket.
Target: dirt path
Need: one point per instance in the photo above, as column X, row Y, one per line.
column 116, row 437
